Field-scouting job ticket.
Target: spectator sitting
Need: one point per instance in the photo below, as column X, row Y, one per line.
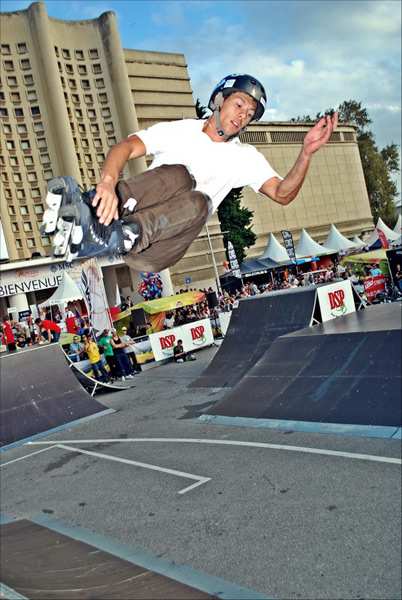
column 49, row 329
column 169, row 321
column 179, row 355
column 92, row 350
column 76, row 349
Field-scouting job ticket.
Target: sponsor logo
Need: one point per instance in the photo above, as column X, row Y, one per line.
column 337, row 303
column 167, row 343
column 198, row 335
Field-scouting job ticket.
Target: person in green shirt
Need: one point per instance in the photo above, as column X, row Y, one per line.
column 105, row 343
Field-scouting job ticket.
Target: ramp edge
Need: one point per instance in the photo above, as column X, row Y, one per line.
column 373, row 431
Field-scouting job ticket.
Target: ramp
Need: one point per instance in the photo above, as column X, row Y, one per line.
column 254, row 325
column 39, row 392
column 345, row 371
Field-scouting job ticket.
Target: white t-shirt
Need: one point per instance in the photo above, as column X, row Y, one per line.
column 217, row 167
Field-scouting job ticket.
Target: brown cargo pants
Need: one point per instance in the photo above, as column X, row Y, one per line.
column 169, row 215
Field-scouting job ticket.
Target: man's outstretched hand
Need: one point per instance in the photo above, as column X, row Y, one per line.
column 320, row 134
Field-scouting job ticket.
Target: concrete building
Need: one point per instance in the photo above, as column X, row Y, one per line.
column 69, row 91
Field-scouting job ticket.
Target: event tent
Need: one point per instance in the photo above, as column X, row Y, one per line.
column 306, row 246
column 390, row 234
column 274, row 250
column 67, row 291
column 257, row 265
column 358, row 242
column 398, row 225
column 338, row 241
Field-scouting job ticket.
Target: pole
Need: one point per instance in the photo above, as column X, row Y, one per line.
column 218, row 285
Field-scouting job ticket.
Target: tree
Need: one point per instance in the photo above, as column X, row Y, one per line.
column 378, row 165
column 234, row 219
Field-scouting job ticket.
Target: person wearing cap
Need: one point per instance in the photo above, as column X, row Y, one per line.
column 76, row 349
column 152, row 218
column 129, row 350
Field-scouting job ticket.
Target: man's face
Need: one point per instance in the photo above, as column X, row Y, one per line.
column 237, row 111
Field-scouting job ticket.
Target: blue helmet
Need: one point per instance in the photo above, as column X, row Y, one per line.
column 240, row 83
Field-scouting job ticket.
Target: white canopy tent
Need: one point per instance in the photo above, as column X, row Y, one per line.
column 398, row 225
column 274, row 250
column 389, row 233
column 67, row 291
column 359, row 243
column 338, row 241
column 306, row 246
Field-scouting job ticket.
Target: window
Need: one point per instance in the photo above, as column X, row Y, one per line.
column 88, row 98
column 48, row 174
column 22, row 48
column 18, row 243
column 82, row 70
column 85, row 84
column 106, row 113
column 63, row 82
column 35, row 110
column 2, row 96
column 22, row 129
column 10, row 145
column 13, row 161
column 35, row 192
column 24, row 210
column 91, row 173
column 102, row 98
column 25, row 145
column 65, row 53
column 56, row 51
column 18, row 112
column 93, row 53
column 28, row 80
column 95, row 128
column 96, row 68
column 111, row 141
column 78, row 113
column 79, row 54
column 12, row 81
column 72, row 83
column 30, row 242
column 46, row 240
column 20, row 194
column 11, row 210
column 4, row 177
column 14, row 227
column 8, row 65
column 38, row 209
column 7, row 128
column 17, row 177
column 32, row 95
column 44, row 159
column 109, row 127
column 75, row 98
column 32, row 177
column 28, row 160
column 59, row 67
column 99, row 82
column 97, row 143
column 5, row 49
column 38, row 126
column 85, row 143
column 69, row 68
column 100, row 157
column 3, row 112
column 27, row 226
column 2, row 161
column 91, row 113
column 82, row 128
column 15, row 97
column 88, row 158
column 25, row 64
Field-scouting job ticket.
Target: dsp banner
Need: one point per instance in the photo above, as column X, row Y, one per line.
column 336, row 300
column 194, row 335
column 373, row 286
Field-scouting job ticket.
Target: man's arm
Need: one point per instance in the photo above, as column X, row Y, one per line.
column 105, row 198
column 285, row 190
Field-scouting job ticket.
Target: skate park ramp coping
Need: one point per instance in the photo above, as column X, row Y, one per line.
column 39, row 392
column 254, row 325
column 345, row 371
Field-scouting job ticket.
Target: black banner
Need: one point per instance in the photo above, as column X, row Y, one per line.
column 288, row 243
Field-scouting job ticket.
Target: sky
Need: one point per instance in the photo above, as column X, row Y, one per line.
column 310, row 55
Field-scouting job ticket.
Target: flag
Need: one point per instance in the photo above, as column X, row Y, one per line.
column 382, row 238
column 234, row 264
column 289, row 245
column 91, row 285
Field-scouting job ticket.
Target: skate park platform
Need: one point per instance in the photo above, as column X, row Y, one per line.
column 344, row 372
column 254, row 325
column 40, row 393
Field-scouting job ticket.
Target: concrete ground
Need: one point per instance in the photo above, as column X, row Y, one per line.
column 278, row 512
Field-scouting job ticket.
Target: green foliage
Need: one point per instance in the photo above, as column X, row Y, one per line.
column 200, row 109
column 235, row 222
column 378, row 165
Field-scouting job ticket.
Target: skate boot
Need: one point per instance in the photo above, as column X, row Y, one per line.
column 76, row 230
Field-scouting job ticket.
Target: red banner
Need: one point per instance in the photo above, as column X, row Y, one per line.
column 383, row 239
column 373, row 286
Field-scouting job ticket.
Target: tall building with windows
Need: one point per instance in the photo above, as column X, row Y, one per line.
column 69, row 91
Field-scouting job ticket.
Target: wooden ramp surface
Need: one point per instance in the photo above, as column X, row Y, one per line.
column 42, row 564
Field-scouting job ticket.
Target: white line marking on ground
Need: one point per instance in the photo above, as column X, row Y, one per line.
column 26, row 456
column 320, row 451
column 199, row 480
